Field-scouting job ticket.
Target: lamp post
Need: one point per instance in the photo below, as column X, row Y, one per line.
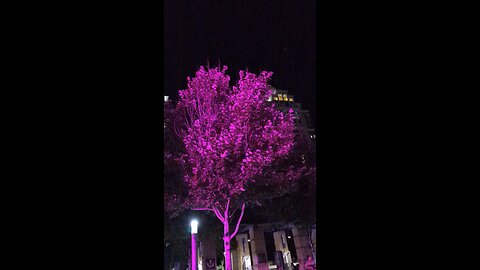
column 194, row 225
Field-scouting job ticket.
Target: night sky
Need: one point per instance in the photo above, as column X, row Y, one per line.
column 277, row 36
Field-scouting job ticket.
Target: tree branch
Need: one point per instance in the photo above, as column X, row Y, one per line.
column 217, row 213
column 202, row 209
column 234, row 211
column 238, row 222
column 218, row 206
column 226, row 208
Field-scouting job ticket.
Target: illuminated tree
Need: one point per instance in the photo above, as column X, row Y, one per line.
column 231, row 137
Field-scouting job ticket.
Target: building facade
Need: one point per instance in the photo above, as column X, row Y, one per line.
column 303, row 124
column 261, row 247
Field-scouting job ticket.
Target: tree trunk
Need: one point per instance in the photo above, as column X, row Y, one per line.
column 228, row 262
column 226, row 239
column 227, row 236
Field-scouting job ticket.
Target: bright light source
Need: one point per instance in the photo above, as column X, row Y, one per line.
column 248, row 240
column 289, row 236
column 194, row 225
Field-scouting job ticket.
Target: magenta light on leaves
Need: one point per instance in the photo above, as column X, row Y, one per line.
column 230, row 135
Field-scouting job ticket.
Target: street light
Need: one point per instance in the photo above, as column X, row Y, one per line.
column 194, row 225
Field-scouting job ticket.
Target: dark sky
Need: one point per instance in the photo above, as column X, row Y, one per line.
column 278, row 36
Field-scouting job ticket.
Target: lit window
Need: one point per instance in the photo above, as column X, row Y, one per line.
column 284, row 95
column 275, row 98
column 290, row 99
column 280, row 98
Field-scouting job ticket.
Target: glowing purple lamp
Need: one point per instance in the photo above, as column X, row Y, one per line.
column 194, row 225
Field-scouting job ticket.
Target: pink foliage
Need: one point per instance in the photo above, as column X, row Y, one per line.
column 231, row 133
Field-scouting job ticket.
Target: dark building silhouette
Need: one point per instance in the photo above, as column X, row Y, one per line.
column 303, row 124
